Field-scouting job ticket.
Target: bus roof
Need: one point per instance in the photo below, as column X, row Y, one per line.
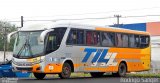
column 44, row 26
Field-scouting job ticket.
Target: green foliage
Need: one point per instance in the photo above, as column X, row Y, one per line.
column 9, row 28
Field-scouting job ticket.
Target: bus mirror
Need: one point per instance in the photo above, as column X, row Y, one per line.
column 44, row 33
column 10, row 35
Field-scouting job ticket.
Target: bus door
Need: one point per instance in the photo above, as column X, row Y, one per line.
column 75, row 45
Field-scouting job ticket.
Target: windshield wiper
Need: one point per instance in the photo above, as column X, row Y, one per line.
column 24, row 47
column 20, row 51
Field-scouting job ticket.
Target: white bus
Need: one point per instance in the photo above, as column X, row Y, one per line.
column 65, row 48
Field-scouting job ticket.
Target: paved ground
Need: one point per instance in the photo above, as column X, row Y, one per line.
column 107, row 79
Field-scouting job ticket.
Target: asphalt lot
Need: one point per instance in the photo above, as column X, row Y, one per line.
column 107, row 79
column 71, row 80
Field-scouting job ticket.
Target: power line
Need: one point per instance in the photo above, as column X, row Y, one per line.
column 64, row 19
column 116, row 16
column 140, row 16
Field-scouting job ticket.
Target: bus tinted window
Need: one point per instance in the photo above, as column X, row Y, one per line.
column 72, row 39
column 137, row 41
column 119, row 42
column 89, row 38
column 122, row 40
column 80, row 36
column 125, row 40
column 60, row 33
column 76, row 36
column 51, row 44
column 132, row 41
column 144, row 41
column 96, row 38
column 108, row 39
column 54, row 39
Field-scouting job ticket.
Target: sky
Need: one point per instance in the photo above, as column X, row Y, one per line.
column 11, row 10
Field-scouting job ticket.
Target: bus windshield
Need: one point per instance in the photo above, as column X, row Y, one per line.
column 27, row 44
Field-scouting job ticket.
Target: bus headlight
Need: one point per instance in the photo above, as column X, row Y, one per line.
column 41, row 59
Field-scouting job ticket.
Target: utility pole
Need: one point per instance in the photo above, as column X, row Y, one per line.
column 4, row 38
column 22, row 20
column 117, row 16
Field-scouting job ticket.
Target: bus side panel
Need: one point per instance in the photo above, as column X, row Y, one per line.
column 122, row 55
column 136, row 59
column 146, row 58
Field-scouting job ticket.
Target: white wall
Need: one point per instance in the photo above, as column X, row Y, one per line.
column 155, row 52
column 8, row 56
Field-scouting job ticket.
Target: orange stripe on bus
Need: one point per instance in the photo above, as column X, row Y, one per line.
column 105, row 69
column 57, row 68
column 78, row 65
column 121, row 31
column 35, row 68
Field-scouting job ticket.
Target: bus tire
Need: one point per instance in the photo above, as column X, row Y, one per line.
column 39, row 76
column 97, row 74
column 66, row 71
column 122, row 70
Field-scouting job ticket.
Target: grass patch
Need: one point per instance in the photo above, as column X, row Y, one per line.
column 80, row 75
column 144, row 75
column 76, row 75
column 73, row 75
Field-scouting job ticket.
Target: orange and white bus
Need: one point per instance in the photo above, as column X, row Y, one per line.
column 65, row 48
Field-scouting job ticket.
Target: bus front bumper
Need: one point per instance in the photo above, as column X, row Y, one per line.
column 37, row 68
column 33, row 68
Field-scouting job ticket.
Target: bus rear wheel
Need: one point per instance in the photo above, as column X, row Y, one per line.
column 122, row 70
column 66, row 71
column 97, row 74
column 39, row 76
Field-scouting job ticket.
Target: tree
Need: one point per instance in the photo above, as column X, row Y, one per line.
column 9, row 28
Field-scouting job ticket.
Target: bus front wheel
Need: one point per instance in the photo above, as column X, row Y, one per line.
column 39, row 76
column 66, row 71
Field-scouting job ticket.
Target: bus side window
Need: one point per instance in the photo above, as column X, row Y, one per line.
column 72, row 39
column 60, row 35
column 132, row 41
column 125, row 40
column 96, row 38
column 80, row 37
column 119, row 42
column 144, row 41
column 108, row 39
column 51, row 43
column 137, row 41
column 89, row 38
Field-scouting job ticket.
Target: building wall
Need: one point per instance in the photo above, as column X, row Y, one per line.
column 153, row 28
column 136, row 26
